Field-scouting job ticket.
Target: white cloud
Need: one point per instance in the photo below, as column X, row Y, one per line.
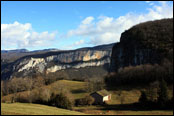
column 19, row 35
column 88, row 20
column 106, row 30
column 162, row 2
column 107, row 37
column 75, row 44
column 148, row 1
column 79, row 42
column 86, row 24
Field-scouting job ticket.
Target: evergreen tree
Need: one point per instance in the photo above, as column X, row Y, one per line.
column 143, row 97
column 163, row 94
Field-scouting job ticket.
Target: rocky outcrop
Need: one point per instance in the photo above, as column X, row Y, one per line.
column 78, row 65
column 74, row 59
column 52, row 62
column 145, row 43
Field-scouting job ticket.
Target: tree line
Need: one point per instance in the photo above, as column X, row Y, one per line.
column 141, row 75
column 156, row 96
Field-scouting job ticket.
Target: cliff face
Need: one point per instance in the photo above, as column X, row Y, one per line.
column 148, row 42
column 52, row 62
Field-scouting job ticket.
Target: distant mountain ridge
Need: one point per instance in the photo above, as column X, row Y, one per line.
column 25, row 50
column 15, row 51
column 99, row 47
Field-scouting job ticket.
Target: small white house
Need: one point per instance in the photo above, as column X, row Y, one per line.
column 101, row 96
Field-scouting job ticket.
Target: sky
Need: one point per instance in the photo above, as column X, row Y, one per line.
column 65, row 25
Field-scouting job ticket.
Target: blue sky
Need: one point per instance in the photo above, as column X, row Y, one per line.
column 73, row 24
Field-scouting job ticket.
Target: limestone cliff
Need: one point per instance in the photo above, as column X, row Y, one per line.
column 51, row 62
column 148, row 42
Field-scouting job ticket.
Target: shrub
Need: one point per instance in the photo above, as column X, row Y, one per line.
column 122, row 99
column 156, row 96
column 34, row 96
column 43, row 96
column 62, row 101
column 37, row 82
column 24, row 98
column 4, row 87
column 88, row 100
column 163, row 94
column 77, row 102
column 16, row 85
column 143, row 97
column 152, row 91
column 95, row 85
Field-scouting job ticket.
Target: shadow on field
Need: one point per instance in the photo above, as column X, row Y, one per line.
column 130, row 107
column 78, row 91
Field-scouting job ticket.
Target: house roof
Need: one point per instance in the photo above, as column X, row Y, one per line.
column 102, row 92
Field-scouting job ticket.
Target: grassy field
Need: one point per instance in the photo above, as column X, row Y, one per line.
column 121, row 112
column 33, row 109
column 36, row 109
column 77, row 89
column 99, row 110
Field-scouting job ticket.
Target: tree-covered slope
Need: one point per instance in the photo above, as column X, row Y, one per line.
column 148, row 42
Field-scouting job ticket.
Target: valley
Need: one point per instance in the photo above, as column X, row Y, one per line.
column 137, row 72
